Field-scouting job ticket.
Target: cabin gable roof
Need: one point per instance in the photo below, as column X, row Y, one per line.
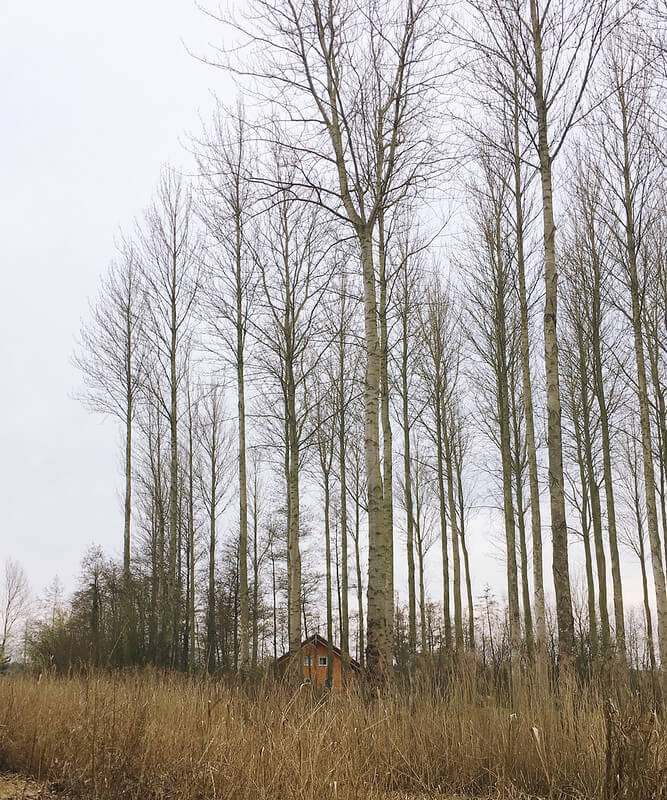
column 316, row 640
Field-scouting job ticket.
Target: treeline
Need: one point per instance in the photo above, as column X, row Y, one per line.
column 316, row 384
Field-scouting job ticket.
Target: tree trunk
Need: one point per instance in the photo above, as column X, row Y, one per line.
column 518, row 469
column 510, row 527
column 338, row 595
column 172, row 589
column 211, row 628
column 387, row 446
column 327, row 545
column 128, row 635
column 342, row 432
column 412, row 610
column 243, row 486
column 502, row 376
column 642, row 394
column 652, row 347
column 645, row 425
column 561, row 571
column 596, row 510
column 255, row 582
column 275, row 612
column 598, row 390
column 420, row 565
column 360, row 594
column 437, row 408
column 378, row 649
column 454, row 527
column 191, row 547
column 642, row 561
column 293, row 524
column 243, row 524
column 464, row 548
column 524, row 352
column 585, row 530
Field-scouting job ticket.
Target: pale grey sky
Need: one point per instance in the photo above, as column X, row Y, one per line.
column 96, row 97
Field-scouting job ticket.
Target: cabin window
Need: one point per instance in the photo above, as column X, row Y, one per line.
column 307, row 661
column 323, row 661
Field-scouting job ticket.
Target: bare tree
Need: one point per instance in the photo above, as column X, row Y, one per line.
column 14, row 598
column 294, row 272
column 112, row 360
column 498, row 127
column 342, row 400
column 576, row 403
column 551, row 49
column 225, row 161
column 519, row 447
column 356, row 79
column 439, row 370
column 654, row 325
column 586, row 424
column 344, row 324
column 460, row 452
column 449, row 428
column 409, row 285
column 592, row 257
column 190, row 621
column 170, row 256
column 424, row 532
column 153, row 494
column 633, row 181
column 635, row 538
column 323, row 420
column 261, row 546
column 492, row 319
column 214, row 469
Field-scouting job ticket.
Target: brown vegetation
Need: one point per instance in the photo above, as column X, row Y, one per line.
column 145, row 735
column 18, row 787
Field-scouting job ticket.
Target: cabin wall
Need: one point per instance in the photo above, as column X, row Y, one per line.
column 314, row 673
column 317, row 674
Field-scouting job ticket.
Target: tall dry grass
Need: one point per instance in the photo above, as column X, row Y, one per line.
column 143, row 735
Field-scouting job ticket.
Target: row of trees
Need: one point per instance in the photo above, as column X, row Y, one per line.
column 295, row 352
column 14, row 609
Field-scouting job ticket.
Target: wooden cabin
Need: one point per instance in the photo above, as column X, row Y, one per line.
column 313, row 663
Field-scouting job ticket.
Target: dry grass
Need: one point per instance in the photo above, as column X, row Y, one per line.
column 18, row 787
column 140, row 735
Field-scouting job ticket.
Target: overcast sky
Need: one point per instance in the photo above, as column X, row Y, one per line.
column 96, row 97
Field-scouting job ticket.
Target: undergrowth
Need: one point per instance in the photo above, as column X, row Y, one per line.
column 146, row 735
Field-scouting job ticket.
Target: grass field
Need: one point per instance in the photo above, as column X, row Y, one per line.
column 142, row 735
